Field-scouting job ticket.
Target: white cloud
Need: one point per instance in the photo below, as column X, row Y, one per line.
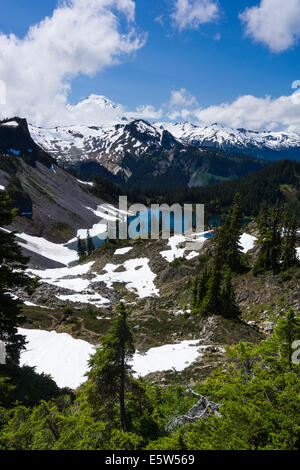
column 274, row 23
column 81, row 37
column 182, row 98
column 145, row 112
column 192, row 13
column 181, row 104
column 246, row 111
column 296, row 84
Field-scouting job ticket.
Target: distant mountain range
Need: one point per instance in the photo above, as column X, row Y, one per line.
column 137, row 153
column 140, row 154
column 118, row 133
column 268, row 145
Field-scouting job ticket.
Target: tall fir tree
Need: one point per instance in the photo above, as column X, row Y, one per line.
column 199, row 290
column 289, row 253
column 228, row 236
column 270, row 228
column 90, row 244
column 12, row 274
column 81, row 248
column 110, row 367
column 233, row 251
column 212, row 302
column 228, row 300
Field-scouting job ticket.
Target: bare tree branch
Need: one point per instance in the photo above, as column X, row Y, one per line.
column 201, row 410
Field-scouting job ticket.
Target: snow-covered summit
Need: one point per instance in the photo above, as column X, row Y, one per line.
column 234, row 140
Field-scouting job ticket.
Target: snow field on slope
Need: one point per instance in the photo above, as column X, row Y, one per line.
column 43, row 247
column 137, row 276
column 66, row 359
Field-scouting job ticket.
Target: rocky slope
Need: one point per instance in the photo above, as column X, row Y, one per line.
column 153, row 278
column 52, row 204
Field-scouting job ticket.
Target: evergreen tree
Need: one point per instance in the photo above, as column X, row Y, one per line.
column 233, row 250
column 110, row 370
column 228, row 236
column 269, row 225
column 212, row 302
column 199, row 289
column 289, row 253
column 81, row 248
column 228, row 301
column 287, row 331
column 12, row 267
column 90, row 244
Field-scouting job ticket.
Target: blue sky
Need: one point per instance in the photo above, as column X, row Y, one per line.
column 215, row 61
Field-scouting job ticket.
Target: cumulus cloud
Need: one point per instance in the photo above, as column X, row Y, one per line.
column 182, row 98
column 273, row 23
column 145, row 112
column 246, row 111
column 181, row 104
column 190, row 14
column 81, row 37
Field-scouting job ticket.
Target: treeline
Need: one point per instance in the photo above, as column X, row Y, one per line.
column 278, row 182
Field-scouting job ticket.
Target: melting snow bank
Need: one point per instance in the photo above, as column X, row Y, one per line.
column 123, row 251
column 166, row 357
column 94, row 299
column 136, row 274
column 87, row 183
column 57, row 354
column 60, row 277
column 247, row 241
column 53, row 251
column 66, row 358
column 196, row 239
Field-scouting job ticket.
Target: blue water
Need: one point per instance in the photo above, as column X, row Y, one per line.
column 15, row 152
column 172, row 223
column 209, row 235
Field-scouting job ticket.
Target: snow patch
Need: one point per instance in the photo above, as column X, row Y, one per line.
column 166, row 357
column 43, row 247
column 66, row 359
column 93, row 299
column 137, row 276
column 86, row 183
column 57, row 354
column 247, row 242
column 57, row 277
column 123, row 251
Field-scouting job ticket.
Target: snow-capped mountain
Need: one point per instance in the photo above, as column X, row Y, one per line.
column 98, row 110
column 108, row 133
column 268, row 145
column 107, row 145
column 140, row 154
